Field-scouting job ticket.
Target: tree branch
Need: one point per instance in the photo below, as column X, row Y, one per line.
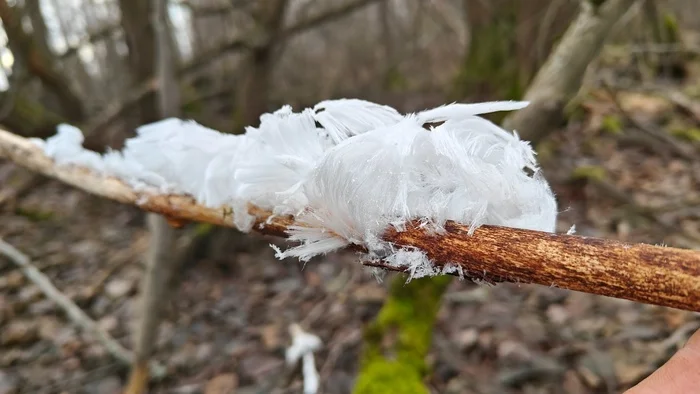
column 325, row 17
column 92, row 38
column 207, row 9
column 649, row 274
column 74, row 313
column 561, row 75
column 248, row 42
column 114, row 110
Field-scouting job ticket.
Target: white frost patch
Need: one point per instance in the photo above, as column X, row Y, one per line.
column 347, row 169
column 304, row 344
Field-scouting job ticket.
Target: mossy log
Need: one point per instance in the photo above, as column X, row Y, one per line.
column 398, row 341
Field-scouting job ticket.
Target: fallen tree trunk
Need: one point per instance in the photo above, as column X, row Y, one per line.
column 649, row 274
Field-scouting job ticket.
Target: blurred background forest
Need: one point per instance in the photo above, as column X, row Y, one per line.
column 624, row 162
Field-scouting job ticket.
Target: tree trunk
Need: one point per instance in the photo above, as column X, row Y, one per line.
column 39, row 63
column 140, row 39
column 254, row 96
column 162, row 261
column 29, row 118
column 397, row 342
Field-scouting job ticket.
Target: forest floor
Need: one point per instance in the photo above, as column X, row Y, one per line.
column 626, row 167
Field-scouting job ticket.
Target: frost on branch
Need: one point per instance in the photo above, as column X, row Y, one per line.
column 346, row 169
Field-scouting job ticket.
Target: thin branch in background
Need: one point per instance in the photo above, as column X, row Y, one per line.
column 247, row 42
column 92, row 38
column 684, row 151
column 74, row 313
column 113, row 111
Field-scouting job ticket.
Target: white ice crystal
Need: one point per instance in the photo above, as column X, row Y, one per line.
column 304, row 344
column 347, row 170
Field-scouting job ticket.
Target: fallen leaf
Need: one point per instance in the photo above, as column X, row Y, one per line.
column 222, row 384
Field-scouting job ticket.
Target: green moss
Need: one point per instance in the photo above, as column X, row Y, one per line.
column 545, row 150
column 35, row 215
column 689, row 134
column 203, row 229
column 238, row 121
column 394, row 80
column 612, row 124
column 671, row 28
column 29, row 118
column 574, row 110
column 390, row 377
column 192, row 104
column 596, row 173
column 397, row 342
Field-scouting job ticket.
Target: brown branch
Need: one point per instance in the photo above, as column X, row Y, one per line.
column 203, row 59
column 638, row 272
column 560, row 77
column 253, row 40
column 101, row 34
column 644, row 273
column 206, row 10
column 94, row 126
column 324, row 17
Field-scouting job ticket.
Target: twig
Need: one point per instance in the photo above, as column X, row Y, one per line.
column 247, row 42
column 74, row 313
column 338, row 345
column 112, row 111
column 98, row 284
column 650, row 274
column 676, row 338
column 676, row 146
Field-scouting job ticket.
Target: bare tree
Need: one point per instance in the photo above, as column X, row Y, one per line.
column 38, row 62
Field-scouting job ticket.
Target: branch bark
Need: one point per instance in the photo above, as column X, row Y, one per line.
column 560, row 77
column 643, row 273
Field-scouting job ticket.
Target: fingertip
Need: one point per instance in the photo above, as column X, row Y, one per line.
column 679, row 375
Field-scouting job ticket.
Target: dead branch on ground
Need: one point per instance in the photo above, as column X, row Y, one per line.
column 643, row 273
column 74, row 313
